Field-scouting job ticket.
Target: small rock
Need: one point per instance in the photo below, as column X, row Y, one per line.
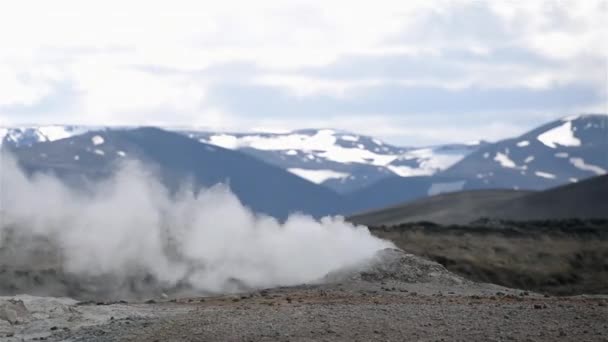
column 151, row 301
column 14, row 311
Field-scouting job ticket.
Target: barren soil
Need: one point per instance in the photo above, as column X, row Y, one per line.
column 397, row 297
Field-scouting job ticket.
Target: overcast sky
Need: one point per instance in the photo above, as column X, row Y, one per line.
column 409, row 72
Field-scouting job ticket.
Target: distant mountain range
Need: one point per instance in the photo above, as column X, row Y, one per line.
column 342, row 161
column 324, row 171
column 560, row 152
column 178, row 159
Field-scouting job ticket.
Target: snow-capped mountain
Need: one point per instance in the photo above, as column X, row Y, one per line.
column 28, row 135
column 339, row 160
column 178, row 160
column 559, row 152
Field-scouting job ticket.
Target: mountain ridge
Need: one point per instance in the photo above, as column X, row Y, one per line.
column 583, row 200
column 368, row 173
column 264, row 188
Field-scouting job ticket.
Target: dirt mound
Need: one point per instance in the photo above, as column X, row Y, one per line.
column 396, row 265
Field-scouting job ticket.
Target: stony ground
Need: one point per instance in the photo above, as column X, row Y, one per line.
column 397, row 298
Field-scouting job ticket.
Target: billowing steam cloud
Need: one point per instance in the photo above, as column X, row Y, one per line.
column 130, row 227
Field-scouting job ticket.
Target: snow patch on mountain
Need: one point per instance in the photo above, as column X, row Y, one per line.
column 318, row 176
column 349, row 138
column 28, row 135
column 579, row 163
column 323, row 143
column 545, row 174
column 223, row 140
column 97, row 140
column 562, row 135
column 425, row 161
column 406, row 171
column 438, row 188
column 53, row 133
column 504, row 160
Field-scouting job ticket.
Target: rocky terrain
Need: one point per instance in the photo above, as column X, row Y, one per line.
column 395, row 297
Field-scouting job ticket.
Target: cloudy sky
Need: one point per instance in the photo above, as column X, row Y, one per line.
column 410, row 72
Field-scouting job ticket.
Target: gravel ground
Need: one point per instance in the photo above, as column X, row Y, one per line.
column 318, row 314
column 397, row 298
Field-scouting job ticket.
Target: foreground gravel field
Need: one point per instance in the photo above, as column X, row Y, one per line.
column 312, row 315
column 401, row 298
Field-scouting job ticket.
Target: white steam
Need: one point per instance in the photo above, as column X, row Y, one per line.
column 207, row 241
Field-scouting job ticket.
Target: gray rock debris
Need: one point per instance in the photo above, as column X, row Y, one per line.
column 396, row 265
column 14, row 311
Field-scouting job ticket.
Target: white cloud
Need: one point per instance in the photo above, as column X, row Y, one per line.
column 101, row 52
column 17, row 91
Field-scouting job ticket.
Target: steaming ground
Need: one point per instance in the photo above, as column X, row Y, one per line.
column 392, row 297
column 129, row 237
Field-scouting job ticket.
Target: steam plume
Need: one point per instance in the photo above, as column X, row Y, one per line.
column 130, row 227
